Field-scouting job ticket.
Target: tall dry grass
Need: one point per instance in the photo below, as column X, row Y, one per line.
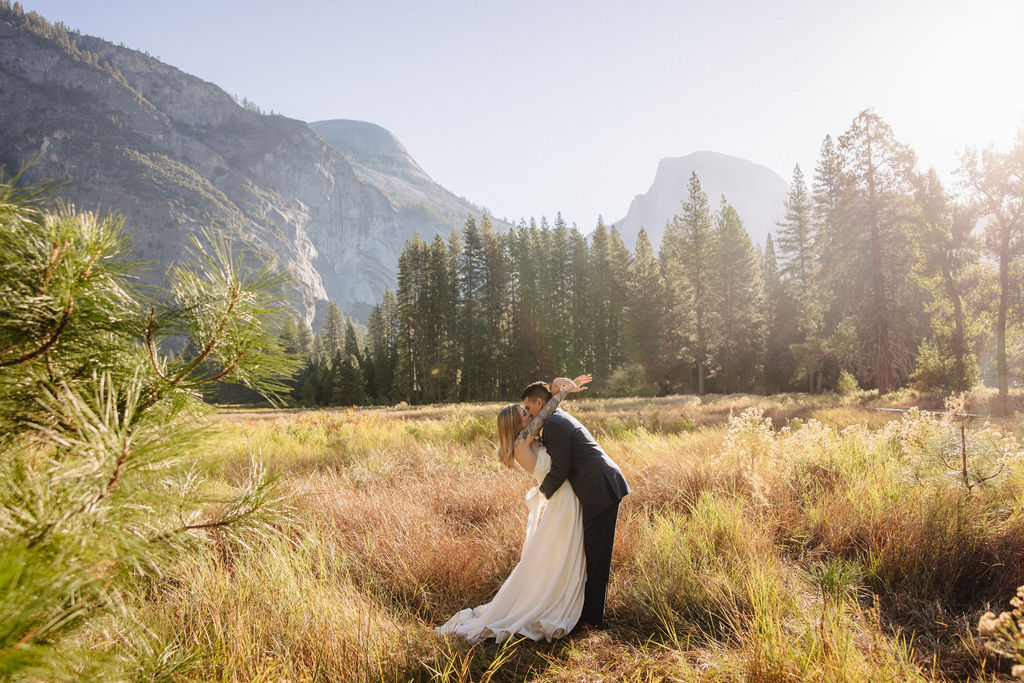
column 782, row 538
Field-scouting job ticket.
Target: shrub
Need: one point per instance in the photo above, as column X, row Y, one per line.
column 936, row 369
column 629, row 380
column 847, row 383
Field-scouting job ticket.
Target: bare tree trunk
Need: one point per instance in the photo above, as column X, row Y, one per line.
column 701, row 353
column 958, row 322
column 882, row 361
column 1004, row 300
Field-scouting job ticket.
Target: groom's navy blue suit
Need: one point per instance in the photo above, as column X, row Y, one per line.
column 600, row 486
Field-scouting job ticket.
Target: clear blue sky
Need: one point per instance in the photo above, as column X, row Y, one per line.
column 530, row 107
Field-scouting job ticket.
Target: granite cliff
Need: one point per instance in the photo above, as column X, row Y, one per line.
column 756, row 192
column 335, row 202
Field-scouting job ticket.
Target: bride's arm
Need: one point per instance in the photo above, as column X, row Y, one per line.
column 568, row 386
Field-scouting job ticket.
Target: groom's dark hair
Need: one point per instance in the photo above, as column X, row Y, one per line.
column 537, row 390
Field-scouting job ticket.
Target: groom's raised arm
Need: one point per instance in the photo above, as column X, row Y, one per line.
column 536, row 423
column 558, row 442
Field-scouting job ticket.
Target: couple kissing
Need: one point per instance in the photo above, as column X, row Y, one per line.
column 561, row 580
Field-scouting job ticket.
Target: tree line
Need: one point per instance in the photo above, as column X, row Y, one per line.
column 876, row 270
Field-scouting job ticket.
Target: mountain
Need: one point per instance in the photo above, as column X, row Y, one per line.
column 756, row 192
column 378, row 158
column 334, row 202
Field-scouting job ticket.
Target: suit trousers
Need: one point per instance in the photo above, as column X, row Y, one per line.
column 598, row 536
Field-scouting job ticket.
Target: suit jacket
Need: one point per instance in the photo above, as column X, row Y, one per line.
column 596, row 479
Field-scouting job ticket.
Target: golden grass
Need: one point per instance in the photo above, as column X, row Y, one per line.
column 819, row 551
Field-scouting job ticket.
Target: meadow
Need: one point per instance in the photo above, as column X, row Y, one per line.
column 784, row 538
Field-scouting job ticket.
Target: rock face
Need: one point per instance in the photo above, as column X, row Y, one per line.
column 174, row 154
column 756, row 192
column 379, row 159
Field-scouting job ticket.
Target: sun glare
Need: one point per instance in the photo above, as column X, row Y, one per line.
column 960, row 78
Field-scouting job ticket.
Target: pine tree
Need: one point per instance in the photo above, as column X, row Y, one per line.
column 374, row 347
column 802, row 241
column 780, row 319
column 353, row 376
column 561, row 294
column 827, row 204
column 437, row 312
column 646, row 315
column 820, row 312
column 101, row 427
column 347, row 381
column 351, row 345
column 607, row 285
column 795, row 235
column 497, row 314
column 290, row 345
column 677, row 329
column 319, row 353
column 879, row 295
column 289, row 337
column 303, row 338
column 324, row 381
column 738, row 302
column 334, row 330
column 579, row 335
column 513, row 248
column 472, row 273
column 688, row 249
column 522, row 248
column 996, row 182
column 543, row 300
column 620, row 265
column 409, row 372
column 452, row 356
column 382, row 332
column 309, row 389
column 601, row 301
column 948, row 251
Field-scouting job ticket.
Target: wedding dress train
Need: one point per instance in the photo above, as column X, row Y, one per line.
column 543, row 596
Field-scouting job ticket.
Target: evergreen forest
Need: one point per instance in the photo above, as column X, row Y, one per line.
column 879, row 275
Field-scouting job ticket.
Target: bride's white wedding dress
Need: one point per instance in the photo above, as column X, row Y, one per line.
column 543, row 596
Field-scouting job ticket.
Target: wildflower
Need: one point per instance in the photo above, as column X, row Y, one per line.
column 988, row 624
column 1006, row 632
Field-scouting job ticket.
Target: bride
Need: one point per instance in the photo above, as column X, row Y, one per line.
column 543, row 596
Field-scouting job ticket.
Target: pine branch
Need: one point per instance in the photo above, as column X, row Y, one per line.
column 151, row 345
column 215, row 338
column 46, row 345
column 114, row 476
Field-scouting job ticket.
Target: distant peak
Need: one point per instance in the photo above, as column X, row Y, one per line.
column 755, row 191
column 708, row 158
column 362, row 137
column 703, row 157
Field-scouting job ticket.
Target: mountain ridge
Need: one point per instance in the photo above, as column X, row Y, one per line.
column 381, row 159
column 173, row 154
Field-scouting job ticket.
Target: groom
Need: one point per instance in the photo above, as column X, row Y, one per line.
column 599, row 486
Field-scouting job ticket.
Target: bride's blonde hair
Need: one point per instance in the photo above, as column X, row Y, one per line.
column 509, row 424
